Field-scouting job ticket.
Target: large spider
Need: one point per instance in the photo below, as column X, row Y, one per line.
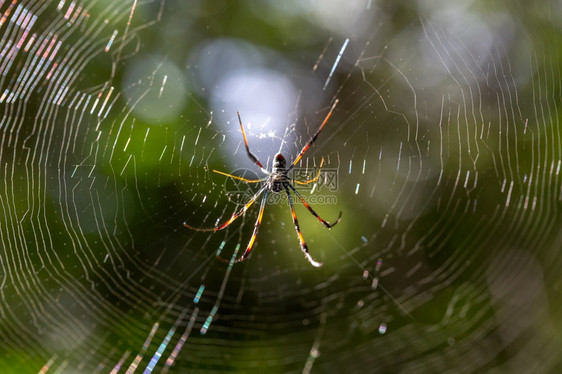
column 276, row 181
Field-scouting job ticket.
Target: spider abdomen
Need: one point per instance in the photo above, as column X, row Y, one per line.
column 276, row 183
column 278, row 176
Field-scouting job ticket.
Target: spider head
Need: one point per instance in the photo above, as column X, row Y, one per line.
column 279, row 162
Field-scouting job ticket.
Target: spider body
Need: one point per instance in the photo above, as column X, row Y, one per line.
column 277, row 180
column 278, row 177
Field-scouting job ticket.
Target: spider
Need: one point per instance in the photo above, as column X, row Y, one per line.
column 275, row 181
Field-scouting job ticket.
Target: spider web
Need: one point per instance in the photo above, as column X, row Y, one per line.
column 442, row 153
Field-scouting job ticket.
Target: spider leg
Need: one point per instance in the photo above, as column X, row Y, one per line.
column 239, row 178
column 256, row 229
column 313, row 179
column 304, row 247
column 305, row 148
column 234, row 216
column 303, row 201
column 250, row 154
